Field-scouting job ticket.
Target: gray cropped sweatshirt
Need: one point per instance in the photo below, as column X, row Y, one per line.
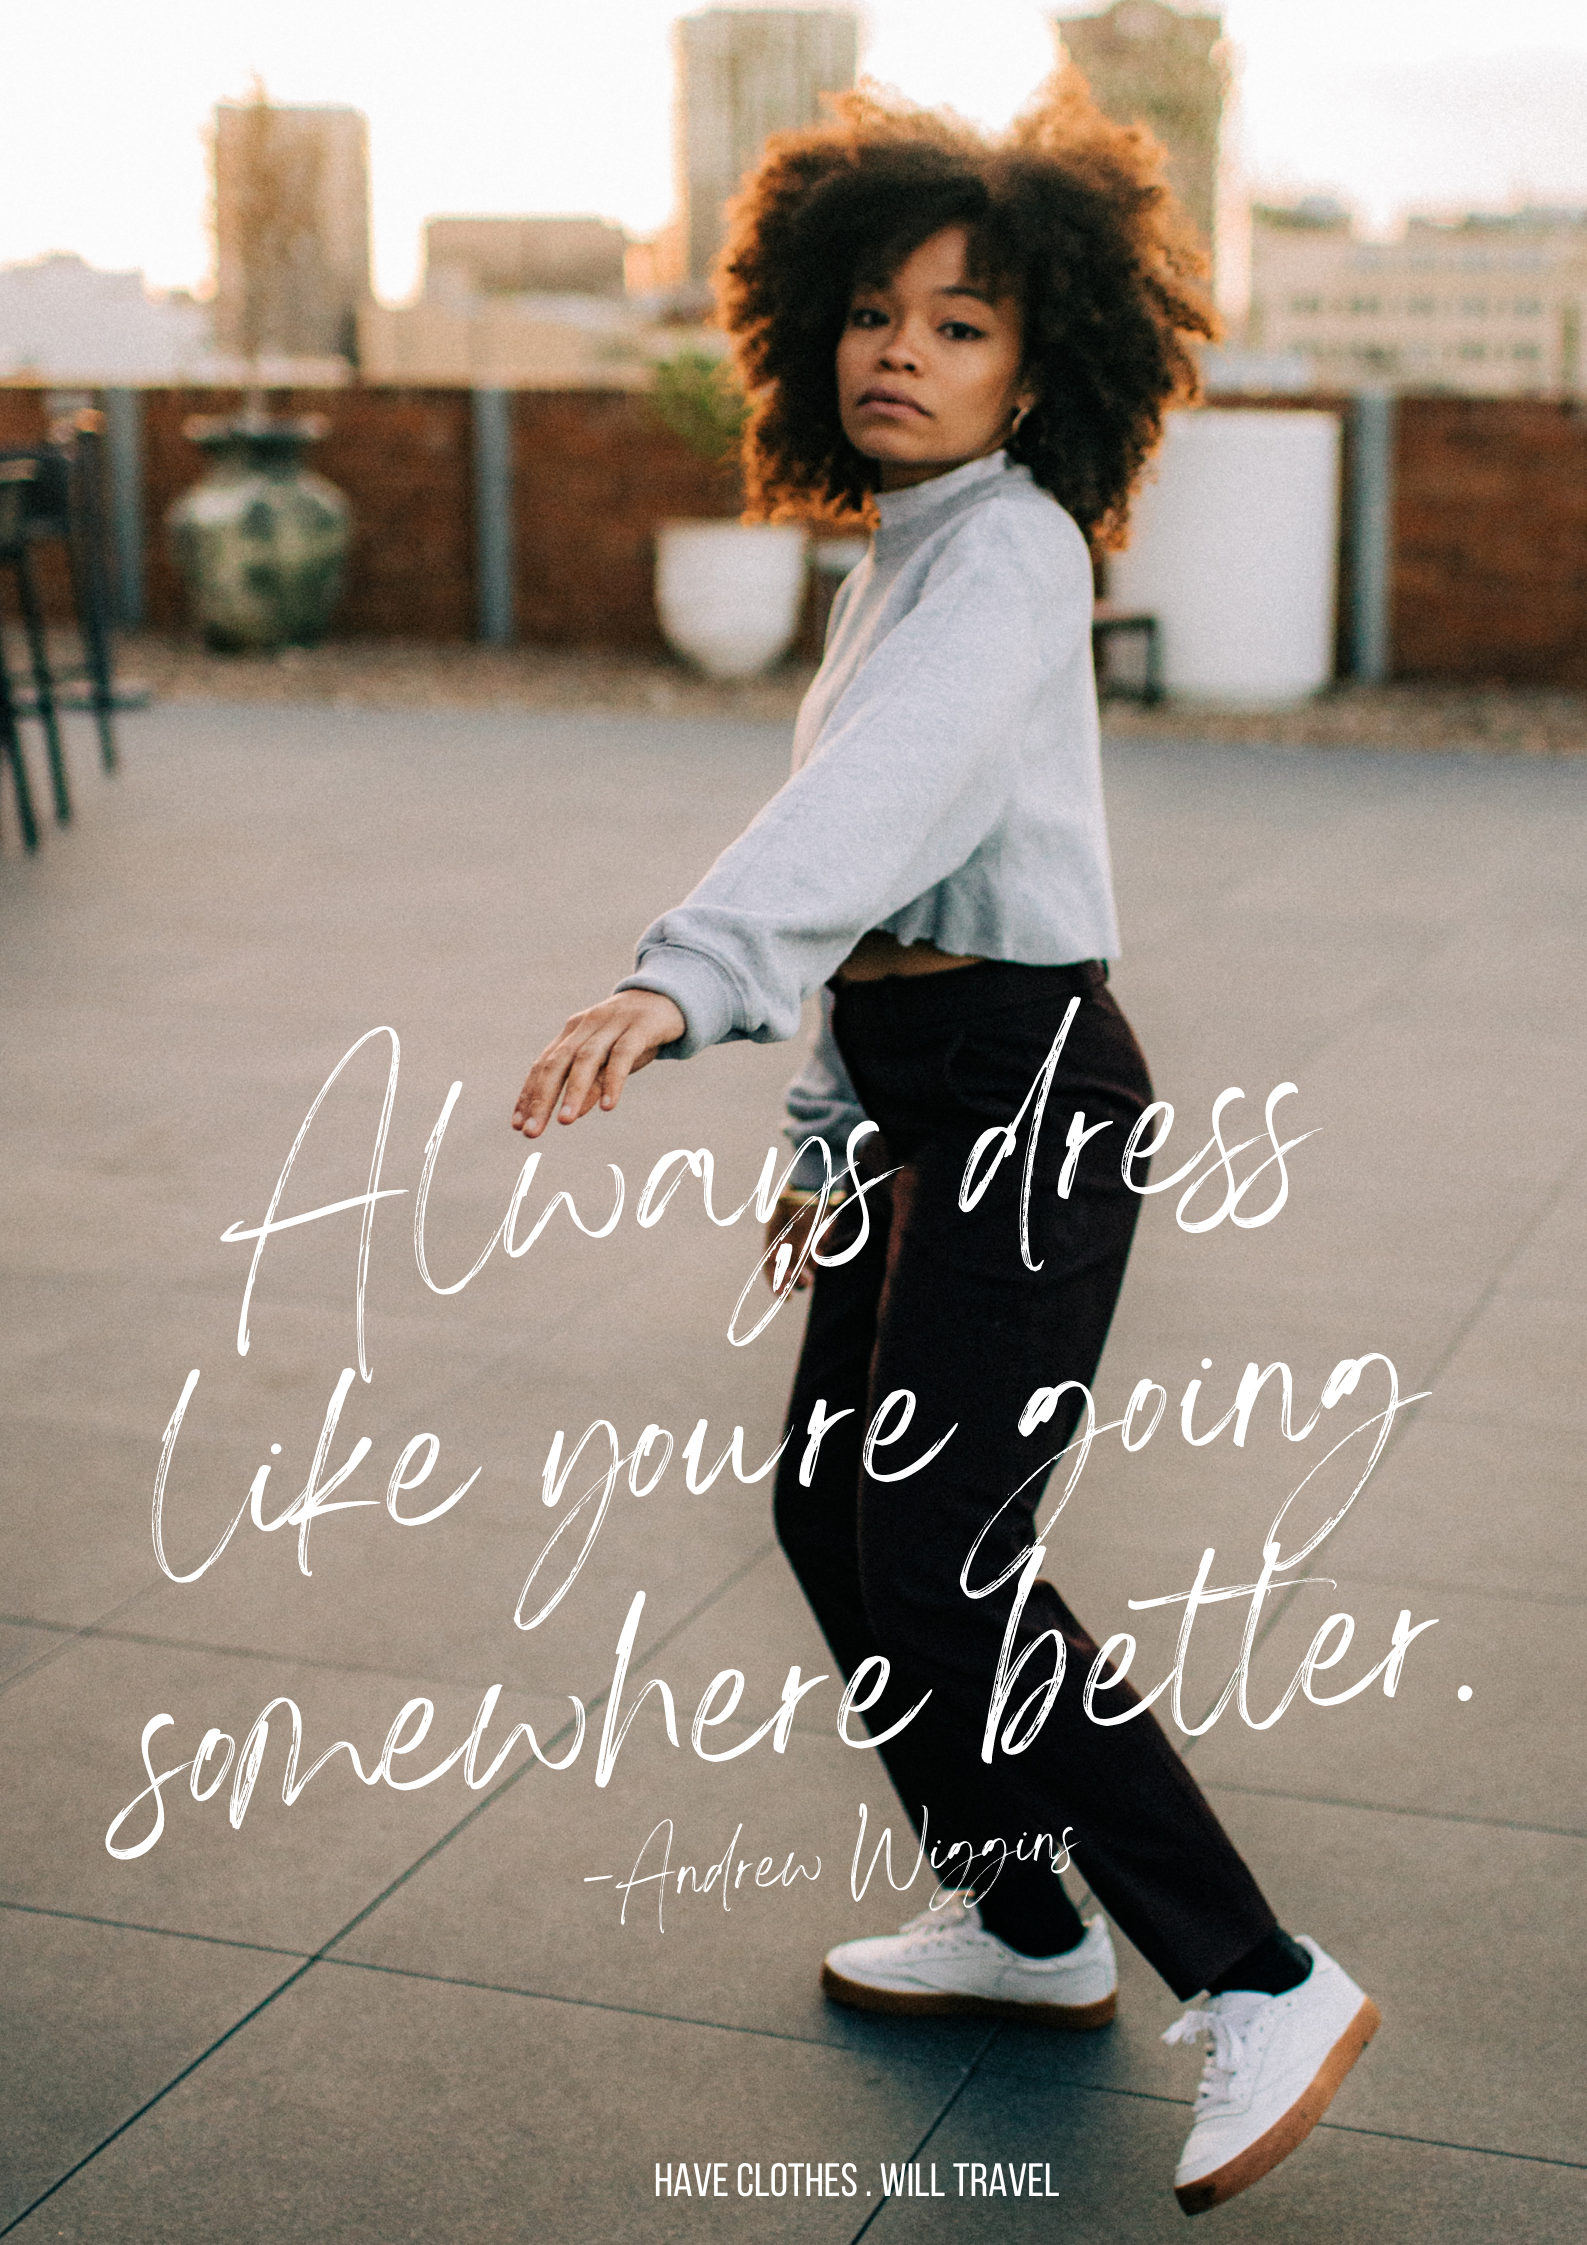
column 946, row 785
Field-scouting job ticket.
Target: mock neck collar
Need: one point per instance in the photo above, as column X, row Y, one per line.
column 895, row 508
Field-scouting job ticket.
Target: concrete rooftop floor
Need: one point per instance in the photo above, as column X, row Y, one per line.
column 385, row 2015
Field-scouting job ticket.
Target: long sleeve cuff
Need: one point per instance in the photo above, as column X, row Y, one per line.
column 698, row 987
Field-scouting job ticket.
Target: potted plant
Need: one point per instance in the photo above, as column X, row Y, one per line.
column 728, row 593
column 260, row 541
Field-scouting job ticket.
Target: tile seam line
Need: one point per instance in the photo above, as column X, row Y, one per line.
column 71, row 1633
column 1562, row 1599
column 965, row 2079
column 579, row 2003
column 69, row 1637
column 1333, row 2127
column 266, row 1948
column 163, row 1932
column 1443, row 2143
column 1390, row 1808
column 285, row 1659
column 323, row 1953
column 160, row 2094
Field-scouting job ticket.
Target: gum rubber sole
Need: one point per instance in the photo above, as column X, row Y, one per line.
column 1291, row 2129
column 1070, row 2018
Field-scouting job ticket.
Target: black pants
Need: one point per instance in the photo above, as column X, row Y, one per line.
column 941, row 1302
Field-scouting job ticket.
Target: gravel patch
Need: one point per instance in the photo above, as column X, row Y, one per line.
column 1500, row 720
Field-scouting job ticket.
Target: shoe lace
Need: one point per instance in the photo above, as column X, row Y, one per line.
column 1225, row 2057
column 939, row 1924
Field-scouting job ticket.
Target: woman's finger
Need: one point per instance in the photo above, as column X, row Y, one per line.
column 543, row 1085
column 632, row 1051
column 581, row 1088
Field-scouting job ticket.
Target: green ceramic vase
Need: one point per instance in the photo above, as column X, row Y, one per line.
column 260, row 540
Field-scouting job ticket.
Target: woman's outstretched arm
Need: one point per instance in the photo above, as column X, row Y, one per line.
column 597, row 1052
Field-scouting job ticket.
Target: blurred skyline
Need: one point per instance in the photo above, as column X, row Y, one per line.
column 520, row 105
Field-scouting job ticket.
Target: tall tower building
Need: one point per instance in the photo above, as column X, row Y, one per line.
column 291, row 228
column 743, row 73
column 1166, row 69
column 469, row 257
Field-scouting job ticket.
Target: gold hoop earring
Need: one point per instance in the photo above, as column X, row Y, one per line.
column 1020, row 413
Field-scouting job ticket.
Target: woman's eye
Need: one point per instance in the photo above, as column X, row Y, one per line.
column 961, row 331
column 867, row 315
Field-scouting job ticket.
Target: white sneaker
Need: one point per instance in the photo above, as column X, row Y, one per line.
column 1270, row 2075
column 942, row 1961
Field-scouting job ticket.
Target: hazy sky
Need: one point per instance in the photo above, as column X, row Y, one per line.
column 546, row 105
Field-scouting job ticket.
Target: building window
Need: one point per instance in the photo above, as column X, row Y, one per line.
column 1305, row 303
column 1473, row 350
column 1364, row 304
column 1421, row 307
column 1528, row 308
column 1474, row 307
column 1526, row 351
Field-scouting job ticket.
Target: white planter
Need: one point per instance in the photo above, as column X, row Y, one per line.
column 729, row 593
column 1232, row 547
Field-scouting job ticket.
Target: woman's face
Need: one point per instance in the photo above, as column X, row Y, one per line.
column 929, row 366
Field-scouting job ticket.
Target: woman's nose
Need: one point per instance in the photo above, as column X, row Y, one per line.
column 898, row 354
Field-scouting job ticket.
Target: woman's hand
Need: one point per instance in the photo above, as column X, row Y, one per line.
column 593, row 1058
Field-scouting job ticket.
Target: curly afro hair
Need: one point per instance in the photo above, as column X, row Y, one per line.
column 1067, row 211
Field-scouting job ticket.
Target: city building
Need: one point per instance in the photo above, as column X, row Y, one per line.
column 1490, row 303
column 64, row 321
column 291, row 228
column 466, row 258
column 1166, row 69
column 741, row 74
column 541, row 303
column 516, row 303
column 532, row 341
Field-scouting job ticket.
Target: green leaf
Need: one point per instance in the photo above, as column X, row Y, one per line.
column 697, row 396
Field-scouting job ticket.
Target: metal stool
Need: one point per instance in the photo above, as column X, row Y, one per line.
column 17, row 479
column 64, row 504
column 1109, row 623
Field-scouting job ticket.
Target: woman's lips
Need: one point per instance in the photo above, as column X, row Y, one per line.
column 892, row 407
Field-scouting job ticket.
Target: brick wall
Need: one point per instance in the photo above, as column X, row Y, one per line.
column 593, row 474
column 403, row 459
column 1490, row 572
column 1490, row 576
column 22, row 418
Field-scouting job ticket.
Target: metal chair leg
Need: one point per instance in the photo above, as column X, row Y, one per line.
column 102, row 694
column 89, row 585
column 11, row 753
column 43, row 684
column 1154, row 663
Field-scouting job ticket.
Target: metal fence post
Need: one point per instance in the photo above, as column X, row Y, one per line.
column 493, row 516
column 124, row 445
column 1372, row 536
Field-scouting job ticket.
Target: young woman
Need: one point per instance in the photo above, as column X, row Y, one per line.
column 975, row 343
